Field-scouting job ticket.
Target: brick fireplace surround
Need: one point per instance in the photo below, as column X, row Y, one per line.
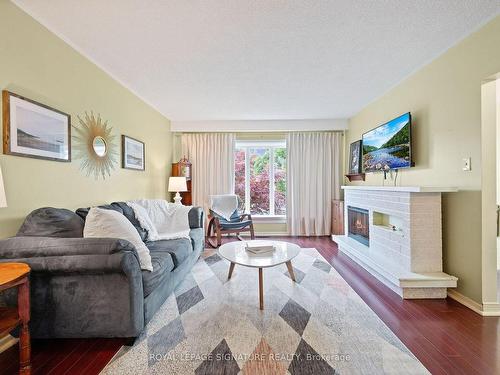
column 405, row 239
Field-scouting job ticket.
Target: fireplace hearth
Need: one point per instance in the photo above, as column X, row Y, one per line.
column 358, row 226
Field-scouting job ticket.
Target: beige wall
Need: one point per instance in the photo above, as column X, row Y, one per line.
column 36, row 64
column 445, row 100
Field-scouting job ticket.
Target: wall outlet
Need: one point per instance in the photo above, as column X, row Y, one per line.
column 466, row 166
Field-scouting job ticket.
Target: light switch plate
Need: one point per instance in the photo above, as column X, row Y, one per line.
column 466, row 164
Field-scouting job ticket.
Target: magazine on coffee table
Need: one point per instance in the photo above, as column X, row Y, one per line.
column 259, row 249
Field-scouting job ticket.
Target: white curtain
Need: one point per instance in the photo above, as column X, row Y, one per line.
column 313, row 180
column 212, row 156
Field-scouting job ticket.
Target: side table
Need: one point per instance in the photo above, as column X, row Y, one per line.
column 17, row 275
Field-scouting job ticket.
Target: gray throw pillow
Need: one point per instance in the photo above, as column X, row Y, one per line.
column 52, row 222
column 83, row 212
column 130, row 215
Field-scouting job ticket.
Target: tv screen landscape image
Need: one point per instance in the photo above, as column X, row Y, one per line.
column 388, row 146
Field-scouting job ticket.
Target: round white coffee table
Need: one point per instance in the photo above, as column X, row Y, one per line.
column 235, row 253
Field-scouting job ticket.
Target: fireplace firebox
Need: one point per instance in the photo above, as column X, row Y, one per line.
column 358, row 226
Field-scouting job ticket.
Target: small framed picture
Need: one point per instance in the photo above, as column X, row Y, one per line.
column 34, row 130
column 355, row 158
column 133, row 154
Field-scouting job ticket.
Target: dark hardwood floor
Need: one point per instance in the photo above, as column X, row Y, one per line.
column 445, row 336
column 64, row 356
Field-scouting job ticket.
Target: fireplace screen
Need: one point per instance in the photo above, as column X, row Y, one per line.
column 358, row 225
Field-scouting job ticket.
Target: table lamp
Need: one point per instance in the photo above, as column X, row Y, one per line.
column 3, row 199
column 177, row 184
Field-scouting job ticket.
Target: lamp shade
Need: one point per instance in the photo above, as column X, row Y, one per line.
column 176, row 184
column 3, row 199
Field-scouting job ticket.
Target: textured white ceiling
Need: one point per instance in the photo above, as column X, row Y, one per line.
column 260, row 59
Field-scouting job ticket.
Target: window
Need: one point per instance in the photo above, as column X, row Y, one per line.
column 260, row 176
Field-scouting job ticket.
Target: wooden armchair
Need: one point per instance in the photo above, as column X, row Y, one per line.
column 237, row 223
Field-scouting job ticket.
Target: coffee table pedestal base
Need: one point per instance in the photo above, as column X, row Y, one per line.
column 261, row 280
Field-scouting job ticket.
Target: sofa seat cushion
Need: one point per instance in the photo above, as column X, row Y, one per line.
column 162, row 266
column 179, row 249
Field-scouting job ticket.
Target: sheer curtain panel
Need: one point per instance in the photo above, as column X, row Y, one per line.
column 313, row 180
column 212, row 155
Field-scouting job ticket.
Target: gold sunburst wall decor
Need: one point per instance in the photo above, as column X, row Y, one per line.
column 95, row 146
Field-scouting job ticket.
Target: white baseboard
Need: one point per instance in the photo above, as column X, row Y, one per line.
column 491, row 309
column 484, row 309
column 466, row 301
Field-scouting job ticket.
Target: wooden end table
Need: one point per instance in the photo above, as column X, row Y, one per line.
column 17, row 275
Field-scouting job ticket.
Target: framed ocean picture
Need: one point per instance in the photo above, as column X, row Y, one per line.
column 355, row 158
column 133, row 154
column 35, row 130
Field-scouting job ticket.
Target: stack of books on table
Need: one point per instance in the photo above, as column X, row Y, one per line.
column 259, row 249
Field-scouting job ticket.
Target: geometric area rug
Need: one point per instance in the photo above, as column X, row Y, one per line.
column 318, row 325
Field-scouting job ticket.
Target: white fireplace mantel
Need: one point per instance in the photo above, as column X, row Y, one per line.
column 404, row 249
column 407, row 189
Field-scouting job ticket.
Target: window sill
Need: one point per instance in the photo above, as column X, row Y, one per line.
column 268, row 219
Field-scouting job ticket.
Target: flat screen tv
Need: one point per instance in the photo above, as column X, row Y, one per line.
column 388, row 146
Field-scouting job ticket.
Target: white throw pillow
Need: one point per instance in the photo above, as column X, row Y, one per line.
column 102, row 223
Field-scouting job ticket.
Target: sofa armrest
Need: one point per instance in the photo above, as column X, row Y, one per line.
column 80, row 287
column 196, row 217
column 81, row 255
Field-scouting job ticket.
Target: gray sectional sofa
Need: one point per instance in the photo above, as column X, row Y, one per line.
column 91, row 287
